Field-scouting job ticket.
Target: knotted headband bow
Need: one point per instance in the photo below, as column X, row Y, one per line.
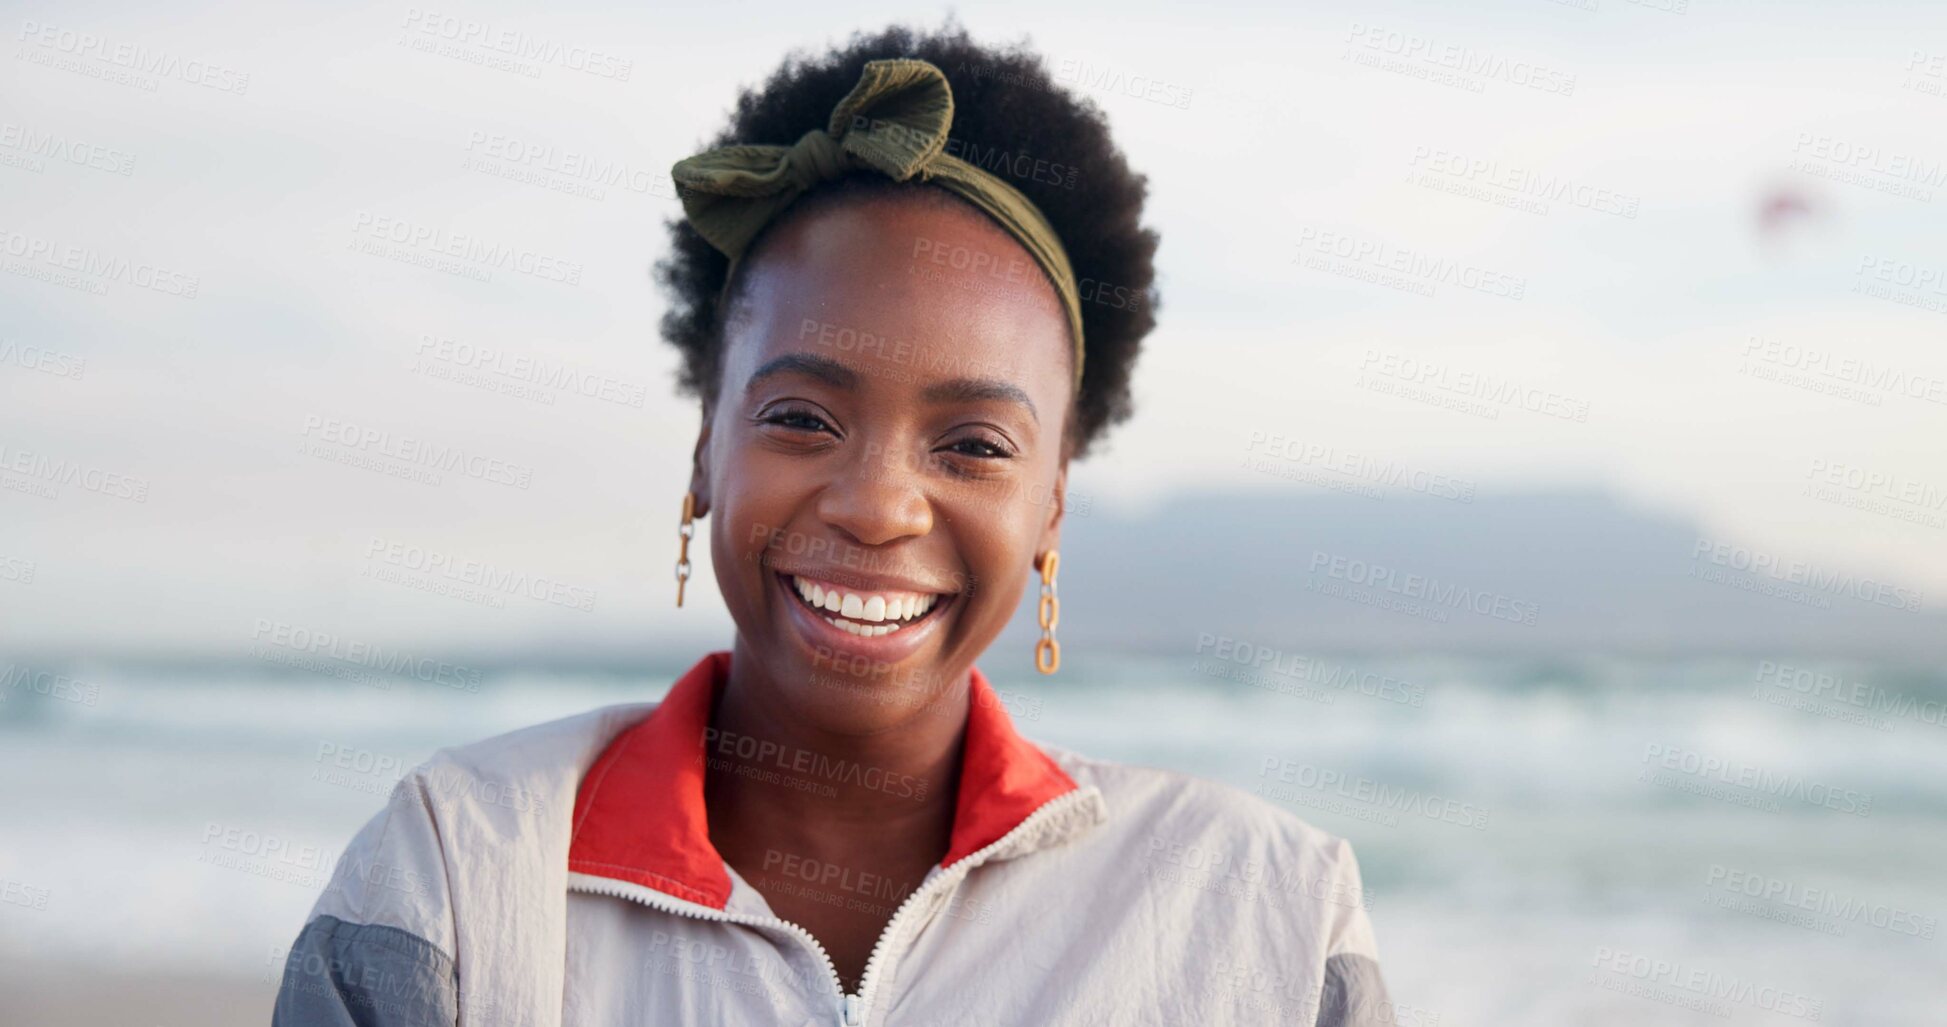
column 894, row 121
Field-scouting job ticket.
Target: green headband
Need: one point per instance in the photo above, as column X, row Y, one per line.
column 894, row 121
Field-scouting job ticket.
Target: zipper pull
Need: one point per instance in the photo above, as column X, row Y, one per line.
column 851, row 1012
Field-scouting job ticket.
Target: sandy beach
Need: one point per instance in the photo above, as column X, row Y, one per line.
column 48, row 995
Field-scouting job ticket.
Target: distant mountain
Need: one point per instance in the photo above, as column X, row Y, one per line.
column 1301, row 572
column 1297, row 570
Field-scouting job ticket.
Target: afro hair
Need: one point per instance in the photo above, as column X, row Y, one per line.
column 1011, row 119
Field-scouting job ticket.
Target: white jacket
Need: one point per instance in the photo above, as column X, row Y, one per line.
column 563, row 875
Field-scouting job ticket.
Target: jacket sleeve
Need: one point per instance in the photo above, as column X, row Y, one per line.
column 364, row 975
column 1353, row 994
column 376, row 951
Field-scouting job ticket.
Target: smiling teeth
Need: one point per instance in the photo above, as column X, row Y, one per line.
column 867, row 616
column 863, row 630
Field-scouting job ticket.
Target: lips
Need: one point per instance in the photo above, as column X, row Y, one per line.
column 884, row 625
column 862, row 612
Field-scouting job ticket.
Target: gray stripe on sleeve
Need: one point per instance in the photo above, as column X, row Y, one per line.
column 1354, row 995
column 342, row 974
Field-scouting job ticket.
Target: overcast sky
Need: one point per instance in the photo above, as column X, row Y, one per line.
column 216, row 176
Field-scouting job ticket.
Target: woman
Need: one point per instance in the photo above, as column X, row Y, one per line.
column 908, row 291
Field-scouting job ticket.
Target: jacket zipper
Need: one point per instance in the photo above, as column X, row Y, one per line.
column 851, row 1007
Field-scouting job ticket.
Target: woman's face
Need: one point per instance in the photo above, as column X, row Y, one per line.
column 885, row 443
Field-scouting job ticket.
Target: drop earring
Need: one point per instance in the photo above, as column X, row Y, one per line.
column 1047, row 652
column 685, row 533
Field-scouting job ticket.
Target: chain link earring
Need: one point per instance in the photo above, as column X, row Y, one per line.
column 685, row 533
column 1047, row 652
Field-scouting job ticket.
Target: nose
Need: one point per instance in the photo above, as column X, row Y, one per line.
column 878, row 496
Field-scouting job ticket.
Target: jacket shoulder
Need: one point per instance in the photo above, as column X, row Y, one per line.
column 542, row 747
column 491, row 798
column 476, row 831
column 1239, row 872
column 1215, row 839
column 1214, row 810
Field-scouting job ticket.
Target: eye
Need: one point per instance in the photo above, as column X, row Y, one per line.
column 796, row 419
column 981, row 447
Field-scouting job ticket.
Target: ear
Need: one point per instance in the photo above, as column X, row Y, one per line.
column 1057, row 506
column 700, row 467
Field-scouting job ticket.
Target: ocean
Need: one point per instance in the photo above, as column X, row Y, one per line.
column 1543, row 841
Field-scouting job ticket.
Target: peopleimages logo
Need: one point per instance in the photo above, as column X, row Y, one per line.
column 434, row 563
column 1079, row 72
column 1473, row 385
column 514, row 43
column 1756, row 779
column 385, row 767
column 67, row 149
column 1523, row 182
column 1798, row 572
column 1410, row 267
column 20, row 679
column 1429, row 590
column 132, row 58
column 1904, row 273
column 17, row 569
column 1413, row 48
column 16, row 893
column 1865, row 157
column 1269, row 873
column 1882, row 484
column 1850, row 370
column 1372, row 793
column 511, row 369
column 1361, row 466
column 1821, row 901
column 325, row 645
column 1707, row 986
column 1299, row 667
column 33, row 467
column 92, row 263
column 265, row 855
column 755, row 754
column 1872, row 698
column 572, row 164
column 434, row 241
column 417, row 452
column 42, row 359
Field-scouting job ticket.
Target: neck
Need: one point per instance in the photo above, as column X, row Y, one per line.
column 777, row 781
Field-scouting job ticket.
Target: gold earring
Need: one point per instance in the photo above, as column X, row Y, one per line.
column 1047, row 652
column 685, row 532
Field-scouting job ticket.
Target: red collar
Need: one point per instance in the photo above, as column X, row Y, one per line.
column 639, row 814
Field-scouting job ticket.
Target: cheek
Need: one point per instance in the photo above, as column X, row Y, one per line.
column 750, row 530
column 998, row 548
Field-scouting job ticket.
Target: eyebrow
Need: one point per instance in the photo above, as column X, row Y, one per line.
column 839, row 376
column 812, row 365
column 972, row 390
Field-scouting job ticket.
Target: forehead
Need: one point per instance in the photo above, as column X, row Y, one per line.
column 907, row 288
